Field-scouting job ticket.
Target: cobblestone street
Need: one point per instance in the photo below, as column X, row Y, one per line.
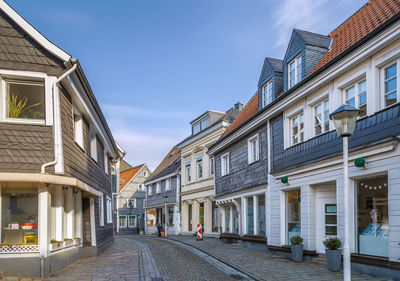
column 155, row 259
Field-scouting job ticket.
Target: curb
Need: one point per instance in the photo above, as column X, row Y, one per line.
column 251, row 275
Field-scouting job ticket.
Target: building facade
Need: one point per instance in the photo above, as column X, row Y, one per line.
column 56, row 157
column 304, row 172
column 130, row 199
column 197, row 191
column 162, row 195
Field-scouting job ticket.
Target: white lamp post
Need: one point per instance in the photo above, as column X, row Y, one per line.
column 344, row 118
column 165, row 199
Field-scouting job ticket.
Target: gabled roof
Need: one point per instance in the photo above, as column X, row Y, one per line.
column 124, row 166
column 368, row 18
column 269, row 63
column 249, row 110
column 168, row 165
column 128, row 175
column 275, row 63
column 314, row 39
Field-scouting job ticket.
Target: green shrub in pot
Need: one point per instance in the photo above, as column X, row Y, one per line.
column 297, row 248
column 333, row 253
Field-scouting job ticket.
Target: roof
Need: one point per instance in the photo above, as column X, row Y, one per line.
column 370, row 16
column 124, row 166
column 168, row 165
column 127, row 175
column 314, row 39
column 249, row 110
column 275, row 63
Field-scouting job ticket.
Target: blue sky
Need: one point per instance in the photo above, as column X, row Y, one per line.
column 155, row 65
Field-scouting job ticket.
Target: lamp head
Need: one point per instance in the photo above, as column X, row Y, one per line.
column 344, row 118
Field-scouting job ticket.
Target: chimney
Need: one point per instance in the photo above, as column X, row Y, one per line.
column 239, row 106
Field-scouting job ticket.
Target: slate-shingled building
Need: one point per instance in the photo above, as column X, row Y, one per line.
column 56, row 155
column 357, row 63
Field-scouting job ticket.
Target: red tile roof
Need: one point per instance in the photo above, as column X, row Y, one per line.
column 126, row 176
column 370, row 16
column 250, row 110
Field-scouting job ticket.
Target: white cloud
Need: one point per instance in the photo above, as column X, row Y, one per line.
column 310, row 15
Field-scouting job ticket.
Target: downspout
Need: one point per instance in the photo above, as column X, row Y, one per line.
column 57, row 119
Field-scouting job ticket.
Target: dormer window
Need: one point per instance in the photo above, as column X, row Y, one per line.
column 267, row 96
column 294, row 71
column 201, row 125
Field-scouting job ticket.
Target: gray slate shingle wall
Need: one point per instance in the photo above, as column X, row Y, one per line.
column 380, row 126
column 156, row 199
column 269, row 72
column 242, row 176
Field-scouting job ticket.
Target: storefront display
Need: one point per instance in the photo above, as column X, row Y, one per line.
column 293, row 214
column 373, row 227
column 250, row 216
column 214, row 217
column 261, row 215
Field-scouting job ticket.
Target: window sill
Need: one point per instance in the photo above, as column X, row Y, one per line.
column 374, row 261
column 24, row 121
column 80, row 147
column 250, row 163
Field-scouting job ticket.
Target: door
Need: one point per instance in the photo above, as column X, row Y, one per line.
column 327, row 225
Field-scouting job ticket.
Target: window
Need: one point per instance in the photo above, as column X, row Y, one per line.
column 142, row 187
column 78, row 127
column 201, row 125
column 187, row 171
column 199, row 165
column 106, row 162
column 145, row 173
column 214, row 209
column 131, row 221
column 293, row 214
column 101, row 210
column 190, row 217
column 131, row 203
column 170, row 216
column 93, row 145
column 261, row 215
column 158, row 188
column 253, row 149
column 297, row 129
column 151, row 217
column 321, row 118
column 211, row 166
column 109, row 210
column 122, row 221
column 267, row 95
column 150, row 189
column 168, row 184
column 228, row 219
column 225, row 164
column 358, row 100
column 372, row 216
column 294, row 71
column 250, row 215
column 390, row 84
column 25, row 100
column 19, row 206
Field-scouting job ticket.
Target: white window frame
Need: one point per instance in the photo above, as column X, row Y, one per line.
column 199, row 160
column 106, row 162
column 212, row 168
column 101, row 210
column 382, row 70
column 323, row 106
column 299, row 131
column 225, row 166
column 134, row 220
column 109, row 210
column 168, row 184
column 200, row 124
column 93, row 144
column 254, row 140
column 124, row 220
column 267, row 93
column 78, row 127
column 158, row 187
column 188, row 170
column 357, row 94
column 295, row 61
column 150, row 189
column 145, row 173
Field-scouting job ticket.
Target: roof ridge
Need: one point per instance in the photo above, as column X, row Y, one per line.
column 310, row 32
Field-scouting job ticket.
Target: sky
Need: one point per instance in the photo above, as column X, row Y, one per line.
column 155, row 65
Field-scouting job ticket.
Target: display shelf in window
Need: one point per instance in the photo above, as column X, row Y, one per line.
column 374, row 240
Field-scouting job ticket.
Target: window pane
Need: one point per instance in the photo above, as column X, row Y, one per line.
column 261, row 215
column 363, row 99
column 363, row 110
column 235, row 220
column 293, row 214
column 373, row 219
column 298, row 69
column 391, row 98
column 330, row 230
column 390, row 85
column 350, row 96
column 391, row 71
column 214, row 217
column 330, row 219
column 227, row 218
column 25, row 101
column 250, row 216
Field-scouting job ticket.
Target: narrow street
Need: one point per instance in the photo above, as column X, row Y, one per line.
column 184, row 258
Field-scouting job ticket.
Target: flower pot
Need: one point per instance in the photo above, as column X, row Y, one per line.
column 334, row 258
column 162, row 233
column 297, row 252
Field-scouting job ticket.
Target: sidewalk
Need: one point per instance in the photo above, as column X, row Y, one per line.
column 264, row 265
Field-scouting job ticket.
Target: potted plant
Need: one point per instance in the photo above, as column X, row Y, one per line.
column 297, row 248
column 68, row 242
column 55, row 245
column 77, row 241
column 333, row 253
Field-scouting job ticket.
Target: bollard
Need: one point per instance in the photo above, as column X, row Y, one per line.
column 199, row 233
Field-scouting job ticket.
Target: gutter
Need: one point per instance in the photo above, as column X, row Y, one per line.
column 58, row 152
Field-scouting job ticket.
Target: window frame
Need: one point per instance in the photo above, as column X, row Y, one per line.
column 158, row 187
column 296, row 73
column 267, row 97
column 212, row 168
column 383, row 79
column 106, row 162
column 225, row 166
column 93, row 144
column 109, row 209
column 356, row 86
column 124, row 220
column 254, row 139
column 188, row 172
column 200, row 125
column 321, row 103
column 134, row 220
column 297, row 115
column 199, row 166
column 78, row 127
column 150, row 189
column 168, row 184
column 101, row 210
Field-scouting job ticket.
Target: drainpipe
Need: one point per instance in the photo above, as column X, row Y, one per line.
column 57, row 119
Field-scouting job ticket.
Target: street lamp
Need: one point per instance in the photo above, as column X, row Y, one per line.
column 165, row 199
column 344, row 118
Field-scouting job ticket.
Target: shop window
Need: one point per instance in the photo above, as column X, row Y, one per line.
column 235, row 220
column 250, row 215
column 25, row 100
column 132, row 221
column 202, row 214
column 19, row 216
column 293, row 214
column 372, row 216
column 151, row 217
column 122, row 221
column 214, row 216
column 228, row 219
column 261, row 215
column 170, row 215
column 190, row 217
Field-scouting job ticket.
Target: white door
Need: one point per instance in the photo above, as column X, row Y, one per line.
column 327, row 222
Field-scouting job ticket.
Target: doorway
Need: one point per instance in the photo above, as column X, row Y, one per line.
column 326, row 219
